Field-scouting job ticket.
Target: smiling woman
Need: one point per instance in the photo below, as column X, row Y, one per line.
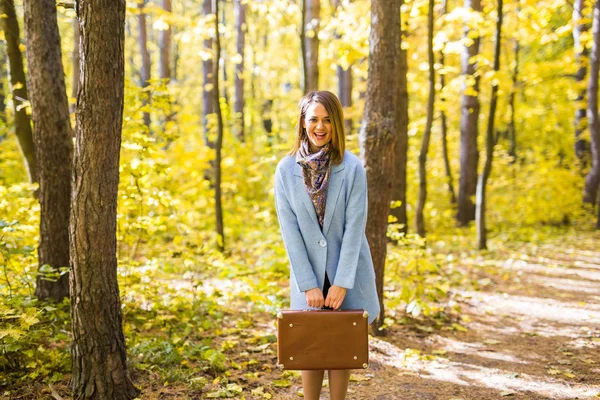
column 321, row 198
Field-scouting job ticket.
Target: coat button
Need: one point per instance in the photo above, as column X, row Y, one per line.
column 323, row 242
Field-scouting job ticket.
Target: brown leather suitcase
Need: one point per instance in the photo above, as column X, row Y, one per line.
column 322, row 339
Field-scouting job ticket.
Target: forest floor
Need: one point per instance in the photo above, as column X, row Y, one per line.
column 532, row 332
column 529, row 328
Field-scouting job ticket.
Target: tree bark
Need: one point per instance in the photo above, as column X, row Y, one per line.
column 582, row 147
column 469, row 155
column 223, row 61
column 19, row 88
column 98, row 349
column 489, row 142
column 512, row 128
column 419, row 220
column 145, row 71
column 593, row 177
column 240, row 27
column 164, row 44
column 53, row 145
column 312, row 22
column 75, row 61
column 2, row 89
column 401, row 157
column 344, row 83
column 303, row 48
column 444, row 123
column 345, row 93
column 207, row 72
column 379, row 130
column 219, row 142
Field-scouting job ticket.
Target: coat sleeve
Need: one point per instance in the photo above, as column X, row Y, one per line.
column 354, row 230
column 292, row 238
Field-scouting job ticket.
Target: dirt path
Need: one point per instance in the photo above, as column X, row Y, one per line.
column 533, row 332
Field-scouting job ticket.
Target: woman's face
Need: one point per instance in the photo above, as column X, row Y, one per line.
column 318, row 126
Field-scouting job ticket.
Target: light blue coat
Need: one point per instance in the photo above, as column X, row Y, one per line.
column 341, row 248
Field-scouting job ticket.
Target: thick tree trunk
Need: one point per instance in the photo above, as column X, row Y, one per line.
column 401, row 157
column 444, row 123
column 312, row 22
column 240, row 27
column 582, row 147
column 164, row 44
column 379, row 129
column 75, row 61
column 145, row 71
column 469, row 154
column 207, row 72
column 98, row 348
column 419, row 220
column 53, row 145
column 489, row 143
column 219, row 141
column 19, row 88
column 593, row 177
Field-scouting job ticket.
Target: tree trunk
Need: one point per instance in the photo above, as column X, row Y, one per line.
column 207, row 71
column 444, row 123
column 2, row 91
column 469, row 155
column 75, row 61
column 145, row 71
column 98, row 349
column 240, row 27
column 378, row 132
column 401, row 157
column 344, row 85
column 593, row 177
column 175, row 60
column 219, row 142
column 164, row 44
column 420, row 222
column 222, row 62
column 19, row 88
column 303, row 48
column 312, row 22
column 345, row 93
column 512, row 128
column 53, row 145
column 489, row 142
column 582, row 147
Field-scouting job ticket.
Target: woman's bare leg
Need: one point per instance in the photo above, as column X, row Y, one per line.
column 312, row 381
column 338, row 383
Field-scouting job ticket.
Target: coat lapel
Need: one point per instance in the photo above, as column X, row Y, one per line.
column 333, row 191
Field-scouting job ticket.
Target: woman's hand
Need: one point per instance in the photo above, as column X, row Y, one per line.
column 335, row 297
column 314, row 298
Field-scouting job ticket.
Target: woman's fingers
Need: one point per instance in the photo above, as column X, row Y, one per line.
column 314, row 298
column 335, row 297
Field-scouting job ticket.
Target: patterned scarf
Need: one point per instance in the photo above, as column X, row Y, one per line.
column 316, row 169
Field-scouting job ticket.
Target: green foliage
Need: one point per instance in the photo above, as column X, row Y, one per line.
column 32, row 340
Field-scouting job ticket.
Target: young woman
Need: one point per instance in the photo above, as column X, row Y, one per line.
column 321, row 200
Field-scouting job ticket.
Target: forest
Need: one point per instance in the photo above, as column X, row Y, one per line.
column 140, row 250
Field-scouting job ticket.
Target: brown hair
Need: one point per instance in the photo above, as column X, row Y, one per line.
column 336, row 115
